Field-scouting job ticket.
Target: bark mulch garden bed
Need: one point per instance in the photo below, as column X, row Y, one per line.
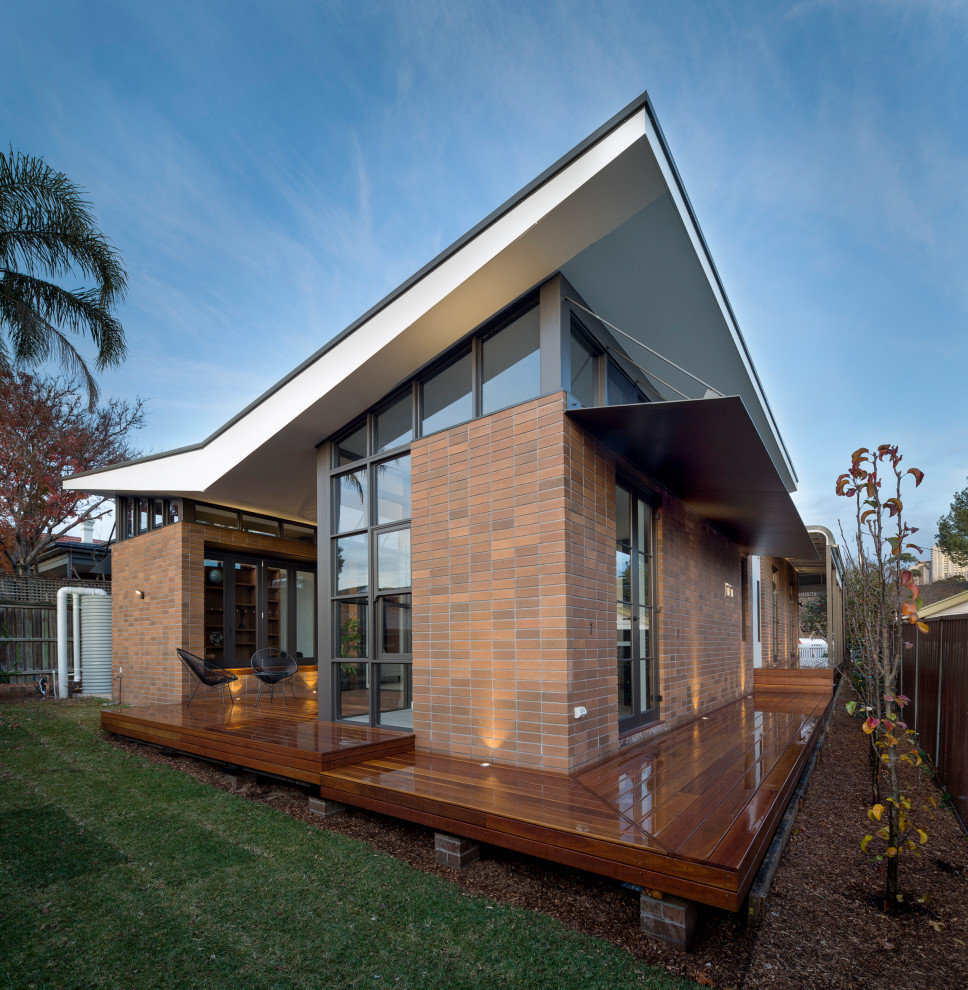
column 821, row 924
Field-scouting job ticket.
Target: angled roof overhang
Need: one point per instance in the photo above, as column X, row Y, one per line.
column 708, row 453
column 612, row 215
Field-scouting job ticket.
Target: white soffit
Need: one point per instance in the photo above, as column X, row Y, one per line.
column 265, row 459
column 524, row 245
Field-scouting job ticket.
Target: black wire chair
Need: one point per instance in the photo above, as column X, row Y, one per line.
column 206, row 673
column 273, row 667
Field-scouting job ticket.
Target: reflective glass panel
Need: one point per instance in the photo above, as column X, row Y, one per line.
column 623, row 628
column 349, row 500
column 257, row 524
column 213, row 516
column 246, row 611
column 582, row 370
column 349, row 623
column 393, row 559
column 277, row 607
column 158, row 510
column 645, row 686
column 447, row 398
column 396, row 695
column 352, row 447
column 352, row 564
column 621, row 391
column 393, row 490
column 395, row 627
column 215, row 611
column 144, row 511
column 353, row 695
column 305, row 614
column 173, row 512
column 624, row 688
column 394, row 424
column 512, row 364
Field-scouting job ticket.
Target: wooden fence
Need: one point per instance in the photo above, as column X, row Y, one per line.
column 934, row 675
column 28, row 625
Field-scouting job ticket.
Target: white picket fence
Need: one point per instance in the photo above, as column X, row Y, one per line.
column 813, row 653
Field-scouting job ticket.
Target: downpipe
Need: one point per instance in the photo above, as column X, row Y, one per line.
column 62, row 595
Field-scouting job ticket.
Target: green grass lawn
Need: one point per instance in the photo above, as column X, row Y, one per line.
column 119, row 873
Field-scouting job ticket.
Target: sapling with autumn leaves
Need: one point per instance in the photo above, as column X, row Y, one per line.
column 883, row 596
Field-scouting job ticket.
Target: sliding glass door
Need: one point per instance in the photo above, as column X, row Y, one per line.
column 252, row 603
column 634, row 613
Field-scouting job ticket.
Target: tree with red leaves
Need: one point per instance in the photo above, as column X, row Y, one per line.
column 48, row 431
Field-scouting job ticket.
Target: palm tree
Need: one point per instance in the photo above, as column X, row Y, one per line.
column 47, row 233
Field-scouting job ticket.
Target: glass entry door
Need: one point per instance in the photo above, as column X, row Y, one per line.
column 252, row 603
column 634, row 612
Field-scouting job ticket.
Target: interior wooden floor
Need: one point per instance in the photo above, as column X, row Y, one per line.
column 690, row 813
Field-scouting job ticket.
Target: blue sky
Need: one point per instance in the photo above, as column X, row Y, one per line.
column 270, row 170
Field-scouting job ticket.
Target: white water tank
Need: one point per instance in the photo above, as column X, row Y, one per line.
column 96, row 644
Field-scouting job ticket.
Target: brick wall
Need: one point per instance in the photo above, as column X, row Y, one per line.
column 168, row 565
column 513, row 595
column 512, row 622
column 703, row 660
column 782, row 653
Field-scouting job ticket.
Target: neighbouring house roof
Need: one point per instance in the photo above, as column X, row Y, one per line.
column 942, row 592
column 953, row 605
column 611, row 215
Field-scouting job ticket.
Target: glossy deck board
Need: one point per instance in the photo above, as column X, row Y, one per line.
column 690, row 812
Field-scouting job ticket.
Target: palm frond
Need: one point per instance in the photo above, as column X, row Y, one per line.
column 48, row 231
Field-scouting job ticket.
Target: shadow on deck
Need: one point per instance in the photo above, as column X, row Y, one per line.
column 690, row 813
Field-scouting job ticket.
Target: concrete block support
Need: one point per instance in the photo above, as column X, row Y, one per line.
column 326, row 808
column 240, row 780
column 671, row 918
column 451, row 850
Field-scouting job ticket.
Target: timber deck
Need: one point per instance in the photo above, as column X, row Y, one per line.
column 689, row 813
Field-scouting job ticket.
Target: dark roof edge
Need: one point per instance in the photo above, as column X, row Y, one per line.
column 712, row 264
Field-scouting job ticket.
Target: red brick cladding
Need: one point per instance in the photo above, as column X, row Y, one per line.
column 783, row 652
column 703, row 660
column 513, row 595
column 167, row 565
column 513, row 622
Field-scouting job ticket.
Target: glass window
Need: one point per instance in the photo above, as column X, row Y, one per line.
column 349, row 621
column 129, row 516
column 582, row 369
column 394, row 424
column 349, row 498
column 393, row 490
column 621, row 389
column 512, row 364
column 305, row 614
column 393, row 559
column 157, row 514
column 447, row 398
column 352, row 565
column 144, row 512
column 258, row 524
column 395, row 695
column 353, row 446
column 214, row 610
column 277, row 607
column 353, row 697
column 173, row 512
column 212, row 516
column 302, row 534
column 395, row 626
